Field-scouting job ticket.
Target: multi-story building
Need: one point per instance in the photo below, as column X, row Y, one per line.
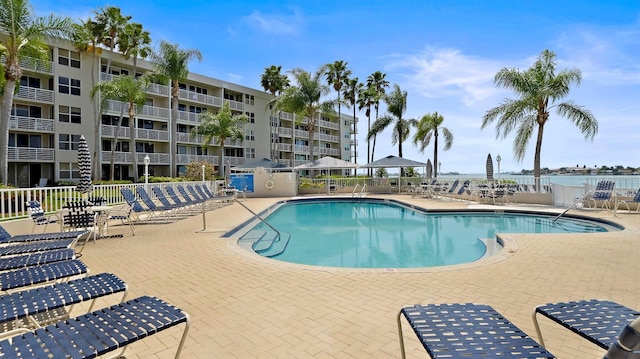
column 53, row 108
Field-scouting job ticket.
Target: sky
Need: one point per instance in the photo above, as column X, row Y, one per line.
column 445, row 54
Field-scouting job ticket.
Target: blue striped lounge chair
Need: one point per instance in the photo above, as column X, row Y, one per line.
column 7, row 238
column 38, row 246
column 625, row 203
column 30, row 276
column 36, row 259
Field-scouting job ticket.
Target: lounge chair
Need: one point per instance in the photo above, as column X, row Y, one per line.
column 467, row 331
column 39, row 217
column 35, row 259
column 99, row 332
column 150, row 216
column 167, row 211
column 44, row 273
column 182, row 207
column 602, row 193
column 6, row 238
column 215, row 201
column 39, row 246
column 77, row 215
column 30, row 309
column 625, row 203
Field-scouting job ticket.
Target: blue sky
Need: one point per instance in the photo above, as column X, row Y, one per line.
column 443, row 53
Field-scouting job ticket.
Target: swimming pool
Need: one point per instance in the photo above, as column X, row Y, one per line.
column 377, row 233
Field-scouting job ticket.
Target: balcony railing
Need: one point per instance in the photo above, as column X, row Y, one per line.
column 31, row 124
column 30, row 154
column 286, row 116
column 119, row 157
column 110, row 131
column 329, row 151
column 157, row 89
column 230, row 142
column 35, row 94
column 185, row 159
column 327, row 124
column 284, row 147
column 200, row 98
column 186, row 138
column 147, row 111
column 285, row 131
column 189, row 116
column 235, row 105
column 154, row 158
column 154, row 135
column 33, row 64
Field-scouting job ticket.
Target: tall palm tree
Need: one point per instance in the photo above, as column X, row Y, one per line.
column 221, row 125
column 131, row 91
column 429, row 126
column 171, row 64
column 306, row 98
column 538, row 88
column 273, row 82
column 134, row 41
column 87, row 38
column 113, row 22
column 350, row 93
column 377, row 81
column 337, row 74
column 396, row 106
column 366, row 99
column 26, row 36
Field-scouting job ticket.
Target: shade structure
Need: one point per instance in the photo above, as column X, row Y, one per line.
column 429, row 170
column 392, row 161
column 264, row 163
column 84, row 166
column 327, row 163
column 489, row 168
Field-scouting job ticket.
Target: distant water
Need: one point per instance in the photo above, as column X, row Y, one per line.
column 565, row 180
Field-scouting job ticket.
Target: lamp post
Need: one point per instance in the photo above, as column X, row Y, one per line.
column 203, row 166
column 146, row 170
column 498, row 159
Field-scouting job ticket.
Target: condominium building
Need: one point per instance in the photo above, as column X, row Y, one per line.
column 52, row 108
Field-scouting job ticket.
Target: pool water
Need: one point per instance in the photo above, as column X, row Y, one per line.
column 376, row 234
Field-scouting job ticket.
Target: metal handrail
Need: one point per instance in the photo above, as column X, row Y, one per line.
column 581, row 198
column 278, row 235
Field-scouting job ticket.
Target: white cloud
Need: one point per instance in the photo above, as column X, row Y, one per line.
column 277, row 24
column 234, row 77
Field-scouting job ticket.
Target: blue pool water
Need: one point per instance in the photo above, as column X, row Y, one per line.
column 383, row 234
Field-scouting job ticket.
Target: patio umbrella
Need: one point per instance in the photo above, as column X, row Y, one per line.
column 489, row 168
column 429, row 170
column 84, row 165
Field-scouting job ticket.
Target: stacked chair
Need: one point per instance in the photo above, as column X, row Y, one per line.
column 42, row 281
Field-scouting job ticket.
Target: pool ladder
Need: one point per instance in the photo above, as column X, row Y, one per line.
column 578, row 200
column 278, row 237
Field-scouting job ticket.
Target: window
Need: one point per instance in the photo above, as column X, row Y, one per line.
column 252, row 117
column 68, row 142
column 69, row 170
column 249, row 99
column 69, row 86
column 249, row 135
column 196, row 109
column 69, row 114
column 182, row 107
column 27, row 81
column 250, row 153
column 182, row 150
column 69, row 58
column 26, row 111
column 274, row 121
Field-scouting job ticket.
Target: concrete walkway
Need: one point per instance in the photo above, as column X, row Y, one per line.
column 246, row 306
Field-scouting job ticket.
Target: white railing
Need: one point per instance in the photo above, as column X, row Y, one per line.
column 119, row 157
column 35, row 94
column 235, row 105
column 30, row 154
column 189, row 116
column 286, row 115
column 186, row 138
column 155, row 135
column 148, row 111
column 31, row 123
column 328, row 124
column 285, row 131
column 184, row 159
column 31, row 63
column 110, row 131
column 286, row 147
column 157, row 89
column 201, row 98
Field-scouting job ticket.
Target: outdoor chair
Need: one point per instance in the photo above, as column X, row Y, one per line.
column 29, row 309
column 167, row 211
column 467, row 331
column 599, row 321
column 602, row 193
column 77, row 215
column 635, row 200
column 181, row 207
column 38, row 246
column 204, row 192
column 35, row 259
column 214, row 202
column 30, row 276
column 99, row 332
column 150, row 216
column 187, row 197
column 39, row 217
column 6, row 238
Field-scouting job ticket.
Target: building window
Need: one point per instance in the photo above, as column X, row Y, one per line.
column 252, row 117
column 26, row 81
column 250, row 153
column 69, row 58
column 69, row 114
column 26, row 111
column 249, row 99
column 69, row 170
column 249, row 135
column 68, row 142
column 69, row 86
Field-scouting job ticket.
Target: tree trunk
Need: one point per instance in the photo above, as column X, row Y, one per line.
column 312, row 131
column 536, row 159
column 97, row 161
column 115, row 143
column 132, row 136
column 435, row 152
column 173, row 121
column 5, row 114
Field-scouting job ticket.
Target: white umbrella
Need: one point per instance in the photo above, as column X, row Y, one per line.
column 489, row 168
column 84, row 165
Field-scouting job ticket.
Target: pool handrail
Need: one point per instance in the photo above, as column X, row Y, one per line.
column 278, row 234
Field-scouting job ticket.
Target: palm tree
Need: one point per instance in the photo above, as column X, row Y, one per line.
column 113, row 22
column 306, row 99
column 129, row 90
column 396, row 106
column 87, row 37
column 273, row 82
column 429, row 126
column 222, row 125
column 337, row 74
column 538, row 88
column 134, row 41
column 376, row 81
column 351, row 90
column 366, row 99
column 171, row 63
column 26, row 36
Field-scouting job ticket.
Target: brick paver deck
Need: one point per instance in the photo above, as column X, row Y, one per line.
column 245, row 306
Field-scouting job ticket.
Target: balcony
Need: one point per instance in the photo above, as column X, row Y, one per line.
column 286, row 116
column 284, row 147
column 235, row 105
column 119, row 157
column 200, row 98
column 30, row 154
column 35, row 94
column 154, row 158
column 153, row 135
column 31, row 124
column 327, row 124
column 157, row 89
column 329, row 151
column 110, row 131
column 229, row 142
column 33, row 64
column 189, row 116
column 183, row 159
column 147, row 111
column 285, row 131
column 325, row 137
column 186, row 138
